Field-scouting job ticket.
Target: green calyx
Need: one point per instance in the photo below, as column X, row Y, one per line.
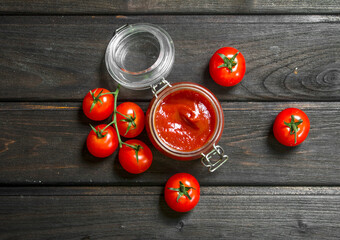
column 136, row 147
column 182, row 190
column 293, row 126
column 129, row 119
column 97, row 99
column 101, row 132
column 228, row 63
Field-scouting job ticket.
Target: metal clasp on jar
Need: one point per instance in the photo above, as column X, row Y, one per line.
column 213, row 165
column 162, row 84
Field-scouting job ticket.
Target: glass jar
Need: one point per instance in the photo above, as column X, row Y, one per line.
column 140, row 56
column 209, row 148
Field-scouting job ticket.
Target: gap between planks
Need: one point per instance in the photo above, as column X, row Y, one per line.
column 73, row 106
column 156, row 190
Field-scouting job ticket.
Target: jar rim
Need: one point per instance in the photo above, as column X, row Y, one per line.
column 145, row 78
column 175, row 153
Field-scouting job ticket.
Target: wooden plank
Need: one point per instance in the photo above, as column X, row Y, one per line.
column 122, row 215
column 44, row 144
column 64, row 55
column 169, row 7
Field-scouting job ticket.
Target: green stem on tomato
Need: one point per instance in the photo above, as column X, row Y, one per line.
column 293, row 126
column 108, row 125
column 123, row 115
column 182, row 190
column 107, row 93
column 228, row 63
column 135, row 147
column 101, row 132
column 114, row 115
column 129, row 145
column 96, row 99
column 130, row 120
column 115, row 93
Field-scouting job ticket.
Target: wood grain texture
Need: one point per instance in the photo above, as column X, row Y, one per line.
column 169, row 7
column 141, row 213
column 52, row 188
column 64, row 55
column 44, row 144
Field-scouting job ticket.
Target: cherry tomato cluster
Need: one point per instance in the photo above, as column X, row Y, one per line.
column 182, row 191
column 128, row 119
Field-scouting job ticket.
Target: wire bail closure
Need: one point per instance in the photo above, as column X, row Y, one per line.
column 206, row 159
column 162, row 84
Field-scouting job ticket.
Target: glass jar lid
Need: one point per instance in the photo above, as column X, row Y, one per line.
column 140, row 55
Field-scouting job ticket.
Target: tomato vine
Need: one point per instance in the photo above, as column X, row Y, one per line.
column 101, row 132
column 120, row 142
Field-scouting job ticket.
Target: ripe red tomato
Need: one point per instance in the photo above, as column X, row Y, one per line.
column 182, row 192
column 98, row 104
column 291, row 127
column 102, row 142
column 132, row 123
column 128, row 156
column 227, row 66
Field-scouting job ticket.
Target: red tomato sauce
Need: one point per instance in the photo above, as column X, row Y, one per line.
column 185, row 120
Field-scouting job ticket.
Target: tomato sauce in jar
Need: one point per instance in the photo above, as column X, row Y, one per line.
column 185, row 120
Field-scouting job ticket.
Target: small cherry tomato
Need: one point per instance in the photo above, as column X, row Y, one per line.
column 135, row 158
column 130, row 119
column 182, row 192
column 227, row 66
column 102, row 141
column 291, row 127
column 98, row 104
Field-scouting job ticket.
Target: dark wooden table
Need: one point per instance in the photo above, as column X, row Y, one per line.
column 51, row 188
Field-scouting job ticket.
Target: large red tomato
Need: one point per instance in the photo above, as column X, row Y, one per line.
column 130, row 119
column 291, row 127
column 98, row 104
column 135, row 157
column 182, row 192
column 227, row 66
column 102, row 141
